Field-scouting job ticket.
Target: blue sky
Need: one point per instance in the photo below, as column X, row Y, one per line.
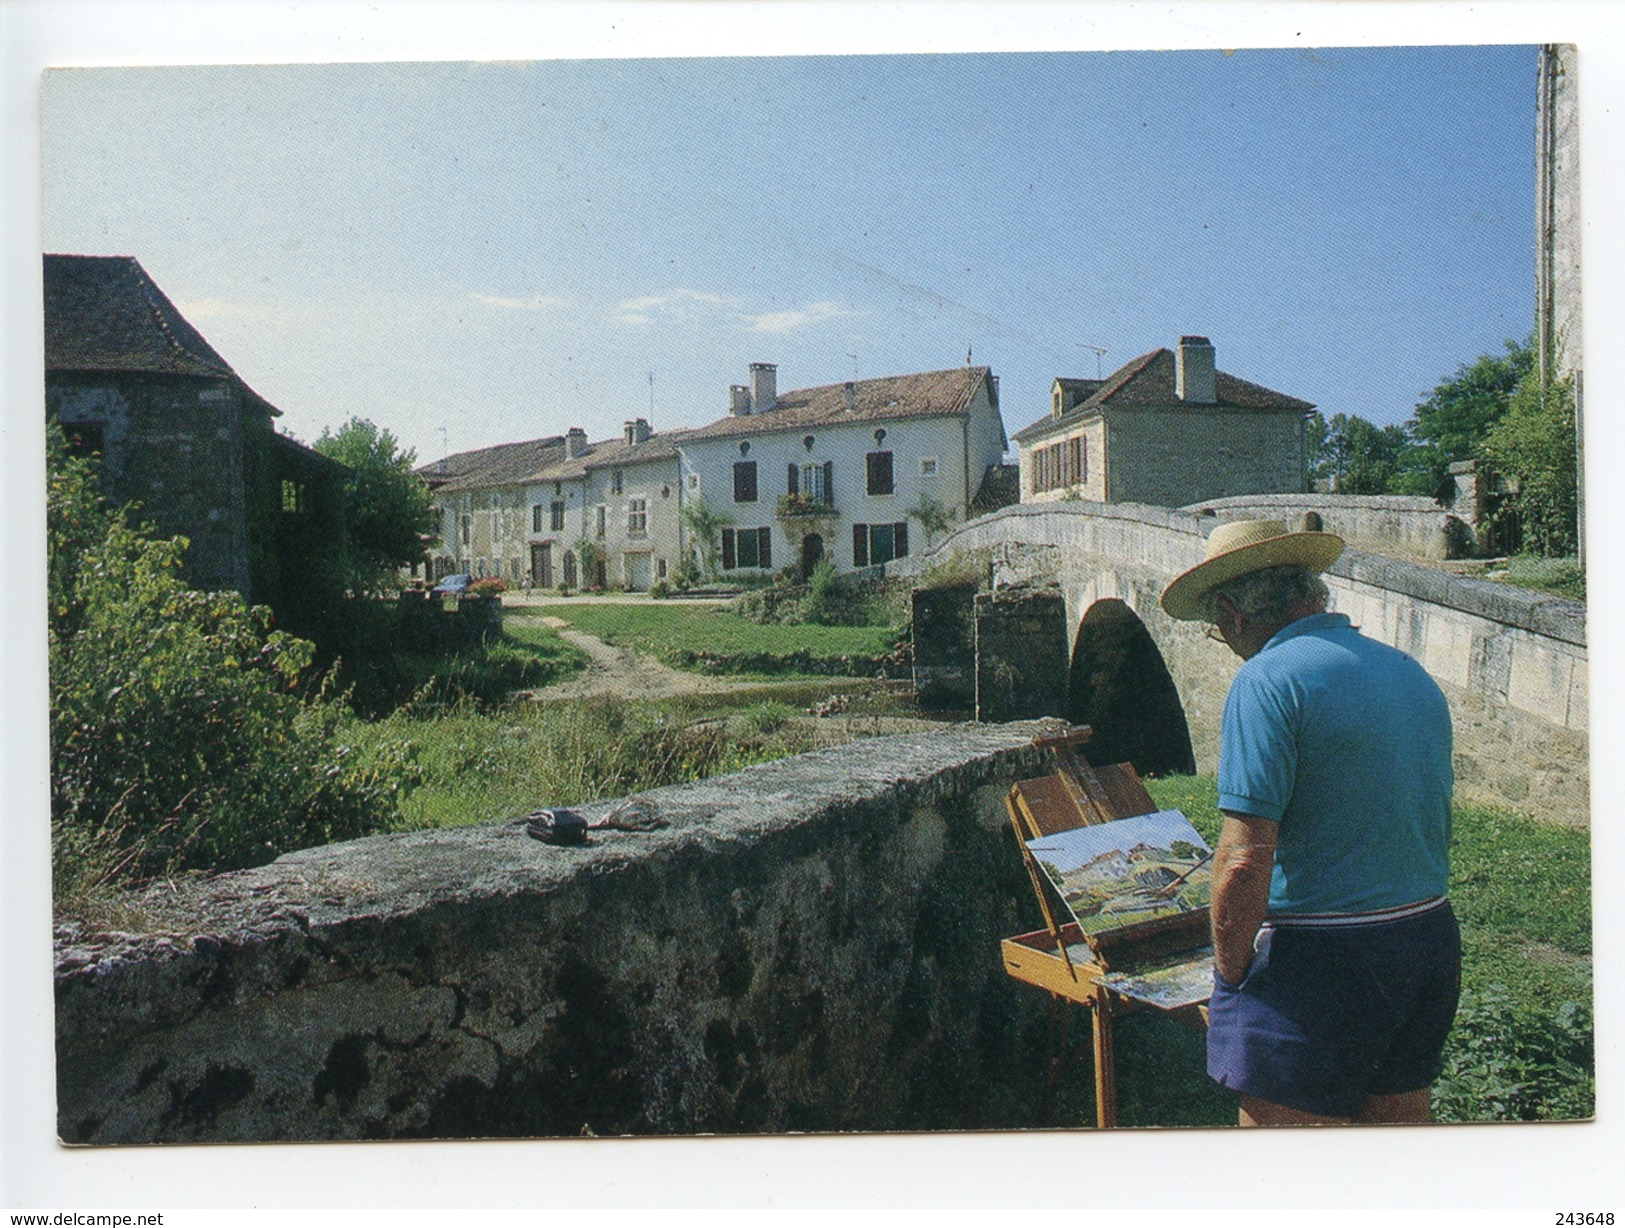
column 504, row 250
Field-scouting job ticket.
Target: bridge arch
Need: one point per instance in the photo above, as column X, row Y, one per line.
column 1120, row 685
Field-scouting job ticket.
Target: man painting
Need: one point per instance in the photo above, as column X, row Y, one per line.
column 1336, row 956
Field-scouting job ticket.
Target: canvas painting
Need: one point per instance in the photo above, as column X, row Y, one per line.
column 1128, row 872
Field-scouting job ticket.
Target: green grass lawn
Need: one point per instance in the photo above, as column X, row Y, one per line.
column 683, row 633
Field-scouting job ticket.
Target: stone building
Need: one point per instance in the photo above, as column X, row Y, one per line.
column 182, row 437
column 1168, row 429
column 486, row 509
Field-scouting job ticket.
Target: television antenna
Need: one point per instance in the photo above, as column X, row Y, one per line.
column 1098, row 350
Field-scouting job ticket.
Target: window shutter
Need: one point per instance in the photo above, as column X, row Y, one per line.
column 880, row 482
column 793, row 484
column 765, row 552
column 829, row 482
column 860, row 545
column 900, row 536
column 727, row 549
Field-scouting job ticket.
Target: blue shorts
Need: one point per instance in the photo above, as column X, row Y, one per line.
column 1334, row 1010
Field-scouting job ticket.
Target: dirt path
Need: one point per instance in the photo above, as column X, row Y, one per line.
column 632, row 674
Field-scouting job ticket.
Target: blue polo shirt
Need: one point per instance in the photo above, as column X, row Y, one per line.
column 1345, row 742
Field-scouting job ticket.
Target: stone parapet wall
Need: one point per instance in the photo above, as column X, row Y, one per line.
column 1409, row 524
column 810, row 945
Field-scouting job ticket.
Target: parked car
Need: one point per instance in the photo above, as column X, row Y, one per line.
column 456, row 585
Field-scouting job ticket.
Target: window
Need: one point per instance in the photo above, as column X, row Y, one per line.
column 744, row 481
column 536, row 518
column 817, row 483
column 874, row 544
column 660, row 569
column 293, row 496
column 600, row 519
column 880, row 477
column 615, row 482
column 556, row 519
column 467, row 526
column 746, row 548
column 928, row 466
column 1061, row 464
column 637, row 518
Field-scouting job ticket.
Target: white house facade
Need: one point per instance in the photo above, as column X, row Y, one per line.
column 857, row 473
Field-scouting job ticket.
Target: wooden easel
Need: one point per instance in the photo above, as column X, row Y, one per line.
column 1071, row 967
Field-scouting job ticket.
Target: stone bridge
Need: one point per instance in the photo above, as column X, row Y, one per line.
column 1511, row 662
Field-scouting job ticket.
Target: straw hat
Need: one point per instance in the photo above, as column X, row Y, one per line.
column 1242, row 546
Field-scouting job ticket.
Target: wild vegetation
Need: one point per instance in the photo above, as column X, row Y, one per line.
column 185, row 732
column 188, row 733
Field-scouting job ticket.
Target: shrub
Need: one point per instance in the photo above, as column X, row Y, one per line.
column 822, row 603
column 1506, row 1061
column 185, row 733
column 488, row 586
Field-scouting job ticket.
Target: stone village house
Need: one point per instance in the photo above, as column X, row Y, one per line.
column 1167, row 429
column 832, row 472
column 183, row 437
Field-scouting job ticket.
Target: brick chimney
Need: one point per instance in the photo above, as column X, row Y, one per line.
column 738, row 400
column 1194, row 378
column 851, row 391
column 763, row 386
column 575, row 442
column 637, row 431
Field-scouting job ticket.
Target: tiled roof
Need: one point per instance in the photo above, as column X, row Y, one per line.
column 609, row 452
column 501, row 465
column 103, row 313
column 929, row 394
column 1081, row 387
column 1149, row 381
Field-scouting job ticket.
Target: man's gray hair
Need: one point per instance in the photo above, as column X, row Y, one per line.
column 1271, row 594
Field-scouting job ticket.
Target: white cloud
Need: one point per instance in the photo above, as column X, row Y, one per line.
column 803, row 317
column 680, row 306
column 538, row 302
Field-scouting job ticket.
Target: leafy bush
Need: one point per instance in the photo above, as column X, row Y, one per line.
column 1534, row 445
column 823, row 602
column 1507, row 1061
column 185, row 733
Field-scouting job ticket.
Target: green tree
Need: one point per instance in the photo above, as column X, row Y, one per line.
column 707, row 526
column 1533, row 445
column 933, row 517
column 1355, row 456
column 388, row 508
column 1458, row 414
column 183, row 733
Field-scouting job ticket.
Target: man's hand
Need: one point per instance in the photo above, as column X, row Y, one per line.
column 1241, row 889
